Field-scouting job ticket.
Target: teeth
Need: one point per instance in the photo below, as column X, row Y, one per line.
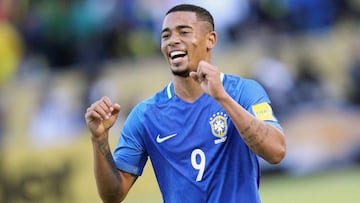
column 175, row 53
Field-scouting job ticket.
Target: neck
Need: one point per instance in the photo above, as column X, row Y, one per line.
column 187, row 89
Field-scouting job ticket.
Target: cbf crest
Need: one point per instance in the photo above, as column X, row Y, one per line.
column 218, row 123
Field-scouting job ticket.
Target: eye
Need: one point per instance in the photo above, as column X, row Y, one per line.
column 184, row 32
column 165, row 36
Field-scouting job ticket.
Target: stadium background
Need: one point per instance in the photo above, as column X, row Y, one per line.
column 56, row 57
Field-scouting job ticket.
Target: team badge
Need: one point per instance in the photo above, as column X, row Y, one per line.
column 218, row 123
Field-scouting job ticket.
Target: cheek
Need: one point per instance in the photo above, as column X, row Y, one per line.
column 163, row 50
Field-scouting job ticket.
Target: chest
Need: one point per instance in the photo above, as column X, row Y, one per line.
column 179, row 129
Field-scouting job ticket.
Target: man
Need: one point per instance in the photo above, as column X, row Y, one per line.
column 202, row 132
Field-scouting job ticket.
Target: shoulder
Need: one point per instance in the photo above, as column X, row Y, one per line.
column 238, row 83
column 244, row 90
column 159, row 98
column 135, row 120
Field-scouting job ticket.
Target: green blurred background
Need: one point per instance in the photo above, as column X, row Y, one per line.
column 57, row 57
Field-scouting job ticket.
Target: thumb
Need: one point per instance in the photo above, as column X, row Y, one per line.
column 116, row 110
column 108, row 123
column 194, row 75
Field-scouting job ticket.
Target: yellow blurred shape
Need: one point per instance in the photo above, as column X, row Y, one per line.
column 10, row 51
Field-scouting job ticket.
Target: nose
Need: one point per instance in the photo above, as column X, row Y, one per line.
column 174, row 39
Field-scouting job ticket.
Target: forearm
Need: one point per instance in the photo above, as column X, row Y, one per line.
column 107, row 176
column 264, row 139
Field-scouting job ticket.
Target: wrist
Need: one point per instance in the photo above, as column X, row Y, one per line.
column 222, row 97
column 99, row 137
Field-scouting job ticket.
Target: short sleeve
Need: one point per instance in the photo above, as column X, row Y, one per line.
column 258, row 103
column 130, row 154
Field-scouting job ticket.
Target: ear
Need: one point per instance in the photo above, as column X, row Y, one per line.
column 211, row 40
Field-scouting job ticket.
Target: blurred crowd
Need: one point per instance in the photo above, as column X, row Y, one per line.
column 60, row 34
column 53, row 36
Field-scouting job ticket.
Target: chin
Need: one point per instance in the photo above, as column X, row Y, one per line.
column 181, row 73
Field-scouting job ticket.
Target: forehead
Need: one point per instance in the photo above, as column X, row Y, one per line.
column 177, row 18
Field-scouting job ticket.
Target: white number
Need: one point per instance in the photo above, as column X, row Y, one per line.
column 198, row 166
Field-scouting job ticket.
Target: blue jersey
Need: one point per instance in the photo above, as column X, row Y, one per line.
column 195, row 149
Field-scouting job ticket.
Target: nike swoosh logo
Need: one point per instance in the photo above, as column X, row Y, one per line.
column 162, row 139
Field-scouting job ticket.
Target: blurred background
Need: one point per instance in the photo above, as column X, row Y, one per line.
column 57, row 57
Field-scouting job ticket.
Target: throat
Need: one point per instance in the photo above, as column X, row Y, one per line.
column 189, row 93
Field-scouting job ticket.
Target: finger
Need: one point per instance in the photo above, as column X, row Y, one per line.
column 201, row 76
column 194, row 75
column 201, row 66
column 92, row 115
column 108, row 102
column 102, row 110
column 106, row 108
column 202, row 70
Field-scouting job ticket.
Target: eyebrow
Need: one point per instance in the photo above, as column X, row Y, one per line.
column 179, row 27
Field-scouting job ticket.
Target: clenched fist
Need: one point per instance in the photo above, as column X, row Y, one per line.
column 101, row 116
column 208, row 76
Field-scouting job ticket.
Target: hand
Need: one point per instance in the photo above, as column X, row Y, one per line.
column 101, row 116
column 208, row 76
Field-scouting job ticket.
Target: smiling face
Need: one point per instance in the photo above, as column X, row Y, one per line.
column 185, row 41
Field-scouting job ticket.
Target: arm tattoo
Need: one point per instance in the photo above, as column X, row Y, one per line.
column 105, row 151
column 255, row 133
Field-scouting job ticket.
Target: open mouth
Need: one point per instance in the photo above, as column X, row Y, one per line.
column 177, row 54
